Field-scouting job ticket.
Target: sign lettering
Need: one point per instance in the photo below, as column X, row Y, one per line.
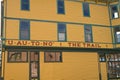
column 56, row 44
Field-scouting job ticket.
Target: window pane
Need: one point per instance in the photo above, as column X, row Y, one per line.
column 58, row 56
column 117, row 34
column 49, row 56
column 34, row 69
column 102, row 57
column 61, row 32
column 114, row 11
column 24, row 30
column 61, row 27
column 23, row 56
column 17, row 56
column 34, row 56
column 25, row 4
column 60, row 6
column 86, row 9
column 61, row 36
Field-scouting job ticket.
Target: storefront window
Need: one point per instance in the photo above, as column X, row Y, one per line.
column 102, row 57
column 17, row 56
column 113, row 65
column 53, row 57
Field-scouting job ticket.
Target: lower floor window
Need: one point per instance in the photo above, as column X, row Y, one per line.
column 114, row 65
column 102, row 57
column 53, row 57
column 17, row 56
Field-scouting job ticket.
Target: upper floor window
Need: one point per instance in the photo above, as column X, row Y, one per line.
column 86, row 10
column 25, row 4
column 60, row 7
column 88, row 33
column 24, row 29
column 114, row 11
column 117, row 34
column 61, row 32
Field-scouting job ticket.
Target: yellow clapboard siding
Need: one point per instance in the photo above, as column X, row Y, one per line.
column 103, row 69
column 12, row 29
column 101, row 34
column 47, row 10
column 43, row 31
column 16, row 71
column 75, row 66
column 75, row 32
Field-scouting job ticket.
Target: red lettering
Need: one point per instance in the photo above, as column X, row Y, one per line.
column 44, row 43
column 47, row 43
column 60, row 44
column 84, row 45
column 88, row 45
column 19, row 43
column 93, row 45
column 50, row 43
column 74, row 44
column 10, row 42
column 99, row 46
column 69, row 44
column 37, row 43
column 33, row 42
column 24, row 42
column 79, row 44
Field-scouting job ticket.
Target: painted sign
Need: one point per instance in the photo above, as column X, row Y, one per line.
column 56, row 44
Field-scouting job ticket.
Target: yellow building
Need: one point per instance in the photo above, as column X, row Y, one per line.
column 60, row 40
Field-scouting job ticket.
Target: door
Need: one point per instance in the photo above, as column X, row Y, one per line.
column 34, row 65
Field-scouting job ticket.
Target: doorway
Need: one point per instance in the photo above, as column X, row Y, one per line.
column 34, row 65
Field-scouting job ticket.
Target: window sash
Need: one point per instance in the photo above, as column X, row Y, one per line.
column 117, row 34
column 61, row 32
column 61, row 36
column 114, row 11
column 86, row 10
column 25, row 4
column 88, row 33
column 60, row 7
column 24, row 30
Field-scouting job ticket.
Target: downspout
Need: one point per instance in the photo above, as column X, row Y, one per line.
column 112, row 35
column 4, row 35
column 110, row 20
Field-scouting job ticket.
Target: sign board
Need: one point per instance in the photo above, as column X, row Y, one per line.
column 36, row 43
